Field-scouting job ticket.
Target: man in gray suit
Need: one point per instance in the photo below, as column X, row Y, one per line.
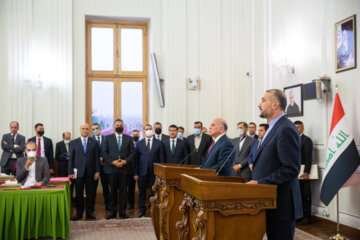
column 243, row 145
column 32, row 170
column 13, row 146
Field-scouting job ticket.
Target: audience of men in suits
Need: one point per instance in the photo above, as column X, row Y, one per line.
column 85, row 168
column 32, row 170
column 252, row 130
column 62, row 154
column 13, row 146
column 44, row 146
column 175, row 149
column 220, row 154
column 149, row 150
column 121, row 160
column 118, row 153
column 158, row 132
column 96, row 130
column 306, row 160
column 243, row 145
column 198, row 144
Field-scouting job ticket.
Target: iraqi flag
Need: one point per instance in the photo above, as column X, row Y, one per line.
column 342, row 157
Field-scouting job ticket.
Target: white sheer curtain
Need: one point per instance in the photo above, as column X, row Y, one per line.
column 38, row 59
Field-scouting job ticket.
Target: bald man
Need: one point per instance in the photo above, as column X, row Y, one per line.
column 85, row 168
column 220, row 154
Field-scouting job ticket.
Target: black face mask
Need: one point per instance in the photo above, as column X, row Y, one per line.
column 135, row 138
column 41, row 133
column 158, row 131
column 119, row 129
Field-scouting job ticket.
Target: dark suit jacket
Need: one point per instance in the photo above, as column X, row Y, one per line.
column 60, row 151
column 220, row 152
column 180, row 153
column 42, row 173
column 241, row 156
column 278, row 162
column 100, row 145
column 49, row 150
column 306, row 152
column 111, row 152
column 144, row 161
column 253, row 152
column 84, row 162
column 196, row 157
column 9, row 149
column 255, row 136
column 164, row 137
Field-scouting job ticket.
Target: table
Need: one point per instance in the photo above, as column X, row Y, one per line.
column 34, row 213
column 65, row 181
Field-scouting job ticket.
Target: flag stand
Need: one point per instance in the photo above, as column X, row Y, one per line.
column 338, row 235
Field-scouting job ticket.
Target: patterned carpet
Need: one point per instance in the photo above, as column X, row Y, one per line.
column 133, row 228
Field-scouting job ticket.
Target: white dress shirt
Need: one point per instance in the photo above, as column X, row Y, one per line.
column 197, row 140
column 171, row 142
column 30, row 179
column 13, row 155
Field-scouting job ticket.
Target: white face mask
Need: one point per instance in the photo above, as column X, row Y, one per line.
column 240, row 132
column 66, row 141
column 149, row 133
column 31, row 154
column 97, row 132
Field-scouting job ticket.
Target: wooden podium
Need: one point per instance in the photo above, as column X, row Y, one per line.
column 216, row 207
column 168, row 197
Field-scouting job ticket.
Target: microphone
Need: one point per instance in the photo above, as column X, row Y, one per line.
column 218, row 171
column 195, row 150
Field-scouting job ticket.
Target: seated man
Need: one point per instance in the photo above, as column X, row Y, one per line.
column 26, row 166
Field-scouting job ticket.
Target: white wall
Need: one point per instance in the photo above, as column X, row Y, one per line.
column 302, row 32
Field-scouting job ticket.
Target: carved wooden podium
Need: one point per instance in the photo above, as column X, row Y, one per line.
column 223, row 208
column 168, row 197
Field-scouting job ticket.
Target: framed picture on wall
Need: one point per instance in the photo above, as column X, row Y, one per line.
column 345, row 44
column 295, row 105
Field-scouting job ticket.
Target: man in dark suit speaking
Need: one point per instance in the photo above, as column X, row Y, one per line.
column 220, row 154
column 278, row 162
column 84, row 166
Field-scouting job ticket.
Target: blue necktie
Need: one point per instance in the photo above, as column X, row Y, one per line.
column 84, row 145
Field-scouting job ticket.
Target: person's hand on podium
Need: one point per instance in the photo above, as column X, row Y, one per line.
column 252, row 182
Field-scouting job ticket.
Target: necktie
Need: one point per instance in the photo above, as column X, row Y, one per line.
column 67, row 147
column 173, row 147
column 84, row 145
column 158, row 137
column 148, row 145
column 119, row 142
column 259, row 144
column 38, row 152
column 13, row 138
column 211, row 146
column 99, row 141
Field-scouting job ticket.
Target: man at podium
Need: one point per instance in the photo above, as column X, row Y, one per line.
column 278, row 162
column 220, row 154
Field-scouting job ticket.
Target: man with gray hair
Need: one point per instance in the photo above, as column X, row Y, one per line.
column 278, row 162
column 220, row 154
column 13, row 146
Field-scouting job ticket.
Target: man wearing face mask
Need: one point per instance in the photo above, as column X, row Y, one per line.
column 158, row 132
column 198, row 144
column 32, row 170
column 118, row 152
column 148, row 152
column 243, row 145
column 131, row 183
column 180, row 134
column 44, row 146
column 96, row 130
column 62, row 154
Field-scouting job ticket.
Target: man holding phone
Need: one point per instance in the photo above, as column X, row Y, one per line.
column 32, row 170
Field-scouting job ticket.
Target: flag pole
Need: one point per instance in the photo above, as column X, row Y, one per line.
column 338, row 235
